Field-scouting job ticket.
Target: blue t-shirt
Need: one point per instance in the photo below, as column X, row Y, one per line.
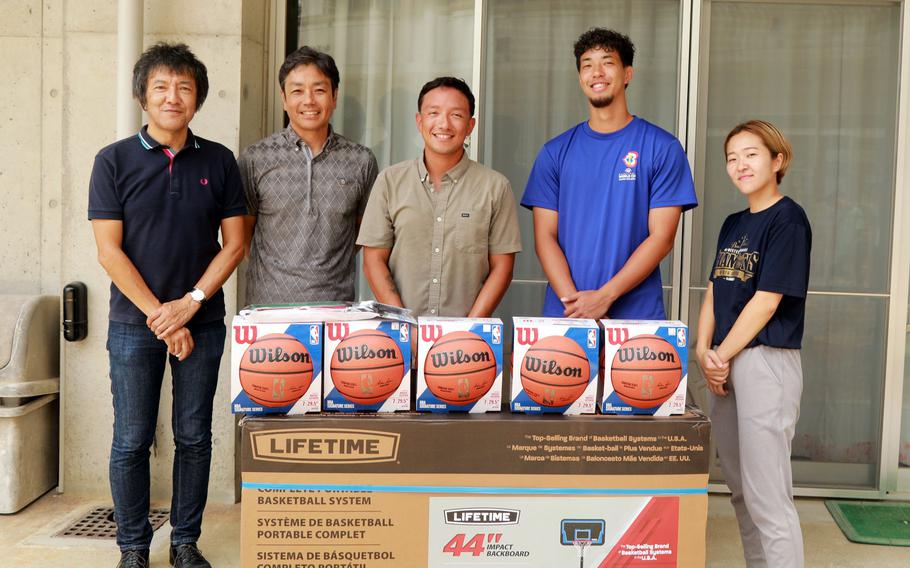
column 603, row 186
column 767, row 251
column 171, row 207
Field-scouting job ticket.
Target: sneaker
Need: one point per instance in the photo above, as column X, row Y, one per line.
column 134, row 559
column 188, row 556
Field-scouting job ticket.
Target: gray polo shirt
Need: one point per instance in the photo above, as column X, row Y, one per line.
column 306, row 212
column 441, row 240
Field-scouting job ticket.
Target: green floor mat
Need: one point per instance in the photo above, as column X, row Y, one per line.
column 872, row 522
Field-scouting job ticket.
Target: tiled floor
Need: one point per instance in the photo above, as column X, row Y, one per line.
column 25, row 538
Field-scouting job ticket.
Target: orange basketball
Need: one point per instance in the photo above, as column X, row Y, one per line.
column 276, row 370
column 367, row 366
column 460, row 368
column 646, row 371
column 555, row 371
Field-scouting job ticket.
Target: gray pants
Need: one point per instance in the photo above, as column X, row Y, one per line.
column 753, row 427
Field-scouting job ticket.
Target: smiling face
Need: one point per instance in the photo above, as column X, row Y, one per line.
column 750, row 165
column 308, row 99
column 602, row 76
column 170, row 101
column 444, row 121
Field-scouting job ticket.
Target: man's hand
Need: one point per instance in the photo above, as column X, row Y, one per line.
column 715, row 370
column 591, row 304
column 180, row 343
column 171, row 316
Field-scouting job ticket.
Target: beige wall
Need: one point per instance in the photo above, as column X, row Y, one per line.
column 59, row 61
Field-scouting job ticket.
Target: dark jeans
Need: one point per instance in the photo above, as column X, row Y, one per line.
column 137, row 361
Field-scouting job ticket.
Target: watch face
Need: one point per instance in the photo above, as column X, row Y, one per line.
column 197, row 295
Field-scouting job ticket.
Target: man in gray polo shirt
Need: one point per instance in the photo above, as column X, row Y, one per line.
column 440, row 232
column 306, row 187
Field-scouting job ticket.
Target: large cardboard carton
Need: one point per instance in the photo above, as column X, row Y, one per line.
column 645, row 367
column 462, row 358
column 555, row 364
column 494, row 489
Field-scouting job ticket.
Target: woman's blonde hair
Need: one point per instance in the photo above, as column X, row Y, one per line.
column 771, row 137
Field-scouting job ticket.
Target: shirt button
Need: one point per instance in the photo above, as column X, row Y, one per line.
column 296, row 148
column 439, row 219
column 435, row 281
column 435, row 251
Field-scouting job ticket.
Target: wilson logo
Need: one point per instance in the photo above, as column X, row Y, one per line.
column 548, row 367
column 617, row 335
column 628, row 354
column 325, row 445
column 458, row 357
column 276, row 355
column 245, row 334
column 526, row 335
column 482, row 516
column 336, row 331
column 430, row 333
column 363, row 351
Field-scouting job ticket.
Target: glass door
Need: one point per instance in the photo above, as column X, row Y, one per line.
column 826, row 74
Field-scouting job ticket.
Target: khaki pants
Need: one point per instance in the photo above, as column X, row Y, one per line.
column 753, row 427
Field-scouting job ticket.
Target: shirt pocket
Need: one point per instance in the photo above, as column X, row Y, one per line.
column 472, row 231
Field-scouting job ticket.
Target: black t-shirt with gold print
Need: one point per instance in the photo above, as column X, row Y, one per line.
column 767, row 251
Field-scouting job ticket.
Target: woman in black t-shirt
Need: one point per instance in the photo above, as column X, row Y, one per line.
column 749, row 335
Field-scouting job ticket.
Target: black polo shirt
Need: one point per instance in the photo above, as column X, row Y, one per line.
column 171, row 206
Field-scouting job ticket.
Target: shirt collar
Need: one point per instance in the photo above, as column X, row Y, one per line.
column 150, row 143
column 295, row 140
column 454, row 174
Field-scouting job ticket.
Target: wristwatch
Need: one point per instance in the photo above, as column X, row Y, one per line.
column 197, row 295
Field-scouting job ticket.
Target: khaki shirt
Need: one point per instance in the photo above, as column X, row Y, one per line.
column 440, row 240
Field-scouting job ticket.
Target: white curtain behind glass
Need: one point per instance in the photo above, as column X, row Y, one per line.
column 385, row 51
column 827, row 75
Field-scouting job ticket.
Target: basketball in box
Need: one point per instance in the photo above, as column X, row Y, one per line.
column 555, row 365
column 367, row 366
column 645, row 367
column 459, row 365
column 275, row 367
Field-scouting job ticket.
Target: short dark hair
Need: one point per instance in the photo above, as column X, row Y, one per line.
column 174, row 56
column 306, row 55
column 608, row 40
column 450, row 82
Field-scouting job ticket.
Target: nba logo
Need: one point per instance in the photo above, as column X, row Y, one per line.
column 681, row 337
column 314, row 335
column 497, row 334
column 592, row 338
column 403, row 333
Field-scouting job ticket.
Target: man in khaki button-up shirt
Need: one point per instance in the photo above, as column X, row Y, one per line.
column 440, row 232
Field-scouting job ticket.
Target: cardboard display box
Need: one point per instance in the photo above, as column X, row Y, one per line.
column 275, row 367
column 367, row 366
column 494, row 489
column 459, row 365
column 645, row 367
column 555, row 364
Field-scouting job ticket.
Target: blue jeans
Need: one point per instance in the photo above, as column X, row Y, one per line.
column 137, row 361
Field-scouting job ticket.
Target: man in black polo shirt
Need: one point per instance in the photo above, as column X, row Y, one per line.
column 157, row 201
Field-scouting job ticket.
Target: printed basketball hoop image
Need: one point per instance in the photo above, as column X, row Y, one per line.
column 581, row 533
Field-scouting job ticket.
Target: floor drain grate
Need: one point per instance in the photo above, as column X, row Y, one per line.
column 99, row 523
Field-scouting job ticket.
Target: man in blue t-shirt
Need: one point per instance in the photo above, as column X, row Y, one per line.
column 606, row 196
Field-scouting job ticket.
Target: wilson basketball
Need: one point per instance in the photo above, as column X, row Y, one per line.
column 367, row 366
column 460, row 368
column 276, row 370
column 646, row 371
column 555, row 371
